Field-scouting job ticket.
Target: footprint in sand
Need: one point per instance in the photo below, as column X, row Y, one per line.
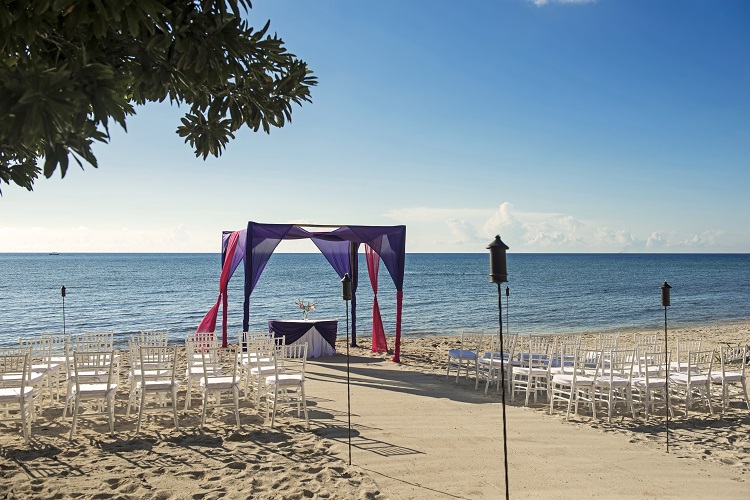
column 115, row 482
column 237, row 465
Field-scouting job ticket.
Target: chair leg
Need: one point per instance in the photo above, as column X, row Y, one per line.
column 205, row 403
column 236, row 393
column 275, row 400
column 140, row 412
column 304, row 404
column 111, row 410
column 75, row 418
column 174, row 408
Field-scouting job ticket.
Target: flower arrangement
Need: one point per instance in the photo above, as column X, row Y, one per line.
column 306, row 307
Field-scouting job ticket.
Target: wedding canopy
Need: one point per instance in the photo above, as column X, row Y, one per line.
column 254, row 245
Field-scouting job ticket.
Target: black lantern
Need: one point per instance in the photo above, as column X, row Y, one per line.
column 665, row 288
column 346, row 287
column 498, row 265
column 62, row 293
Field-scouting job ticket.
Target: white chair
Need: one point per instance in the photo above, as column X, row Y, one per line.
column 695, row 380
column 220, row 376
column 684, row 348
column 93, row 380
column 734, row 360
column 156, row 378
column 39, row 352
column 194, row 370
column 532, row 377
column 257, row 366
column 612, row 385
column 608, row 341
column 491, row 363
column 466, row 356
column 16, row 396
column 649, row 385
column 287, row 384
column 570, row 386
column 562, row 374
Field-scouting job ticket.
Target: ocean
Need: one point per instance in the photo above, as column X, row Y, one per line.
column 443, row 293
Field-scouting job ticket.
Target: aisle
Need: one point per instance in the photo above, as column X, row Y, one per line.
column 422, row 437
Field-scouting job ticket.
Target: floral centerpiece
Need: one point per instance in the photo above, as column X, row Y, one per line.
column 307, row 307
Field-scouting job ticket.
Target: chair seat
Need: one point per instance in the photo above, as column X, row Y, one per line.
column 284, row 380
column 562, row 379
column 614, row 382
column 218, row 383
column 34, row 379
column 728, row 377
column 534, row 372
column 45, row 368
column 462, row 354
column 11, row 394
column 640, row 382
column 263, row 370
column 682, row 378
column 96, row 390
column 158, row 385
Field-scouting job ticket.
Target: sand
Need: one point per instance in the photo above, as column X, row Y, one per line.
column 415, row 434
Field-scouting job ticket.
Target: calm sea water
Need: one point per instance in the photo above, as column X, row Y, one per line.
column 443, row 293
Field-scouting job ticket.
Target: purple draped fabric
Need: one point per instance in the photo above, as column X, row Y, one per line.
column 293, row 331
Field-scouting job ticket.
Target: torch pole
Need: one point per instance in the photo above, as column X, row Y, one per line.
column 502, row 379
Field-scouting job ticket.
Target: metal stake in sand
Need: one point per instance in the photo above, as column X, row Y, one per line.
column 62, row 292
column 665, row 288
column 499, row 275
column 346, row 294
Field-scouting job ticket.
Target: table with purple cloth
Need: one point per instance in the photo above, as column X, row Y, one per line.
column 319, row 334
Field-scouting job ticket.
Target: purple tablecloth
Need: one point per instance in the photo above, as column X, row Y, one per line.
column 294, row 330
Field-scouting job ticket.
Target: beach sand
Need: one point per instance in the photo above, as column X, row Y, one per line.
column 415, row 434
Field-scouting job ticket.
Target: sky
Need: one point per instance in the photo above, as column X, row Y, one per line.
column 563, row 126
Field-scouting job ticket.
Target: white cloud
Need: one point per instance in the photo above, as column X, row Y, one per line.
column 463, row 231
column 471, row 229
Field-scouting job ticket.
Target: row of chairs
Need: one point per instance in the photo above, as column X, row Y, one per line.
column 533, row 361
column 32, row 375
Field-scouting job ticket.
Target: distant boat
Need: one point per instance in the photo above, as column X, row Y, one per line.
column 54, row 253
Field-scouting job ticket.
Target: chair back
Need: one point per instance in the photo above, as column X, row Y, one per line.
column 608, row 341
column 472, row 342
column 157, row 363
column 292, row 358
column 647, row 339
column 700, row 363
column 220, row 362
column 93, row 367
column 152, row 338
column 684, row 348
column 654, row 365
column 203, row 340
column 15, row 368
column 564, row 358
column 734, row 359
column 535, row 351
column 92, row 342
column 620, row 363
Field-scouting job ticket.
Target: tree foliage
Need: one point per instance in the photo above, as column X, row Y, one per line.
column 70, row 68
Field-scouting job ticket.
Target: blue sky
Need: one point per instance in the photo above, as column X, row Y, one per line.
column 598, row 126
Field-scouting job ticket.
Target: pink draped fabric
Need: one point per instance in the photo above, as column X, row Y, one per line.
column 378, row 332
column 209, row 321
